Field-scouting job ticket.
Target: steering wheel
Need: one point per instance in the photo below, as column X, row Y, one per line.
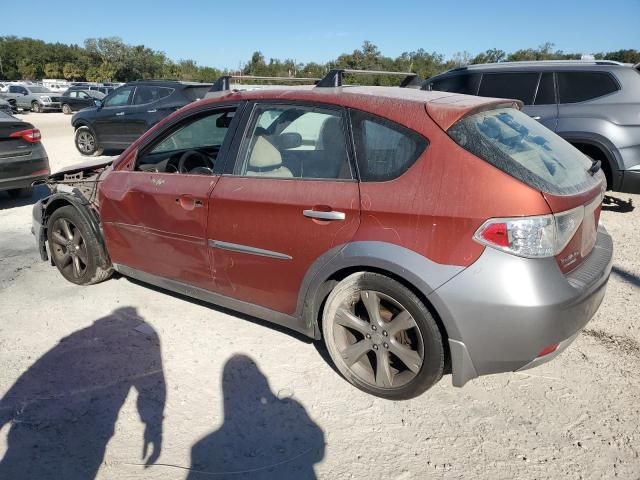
column 196, row 156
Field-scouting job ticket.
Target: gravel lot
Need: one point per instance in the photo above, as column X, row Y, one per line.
column 82, row 375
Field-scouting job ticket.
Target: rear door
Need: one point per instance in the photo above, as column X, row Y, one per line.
column 290, row 197
column 155, row 215
column 144, row 112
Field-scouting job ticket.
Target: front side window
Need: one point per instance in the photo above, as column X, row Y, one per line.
column 521, row 86
column 192, row 147
column 575, row 87
column 295, row 142
column 464, row 83
column 384, row 149
column 119, row 98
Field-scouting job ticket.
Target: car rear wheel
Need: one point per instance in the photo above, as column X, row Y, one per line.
column 36, row 107
column 86, row 142
column 66, row 109
column 20, row 192
column 381, row 337
column 74, row 247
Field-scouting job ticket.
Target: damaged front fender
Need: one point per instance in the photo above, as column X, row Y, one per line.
column 76, row 187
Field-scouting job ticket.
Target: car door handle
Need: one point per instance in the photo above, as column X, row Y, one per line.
column 152, row 111
column 320, row 215
column 537, row 117
column 119, row 114
column 188, row 203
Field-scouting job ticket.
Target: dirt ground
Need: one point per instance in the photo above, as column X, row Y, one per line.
column 91, row 377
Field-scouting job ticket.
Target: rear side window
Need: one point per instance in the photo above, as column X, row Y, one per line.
column 518, row 145
column 145, row 94
column 582, row 86
column 384, row 149
column 466, row 84
column 521, row 86
column 195, row 93
column 546, row 90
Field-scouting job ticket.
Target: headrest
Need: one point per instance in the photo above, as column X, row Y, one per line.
column 264, row 155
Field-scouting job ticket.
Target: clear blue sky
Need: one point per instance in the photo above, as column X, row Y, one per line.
column 222, row 34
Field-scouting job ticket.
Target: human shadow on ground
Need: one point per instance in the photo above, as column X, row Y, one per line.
column 262, row 437
column 63, row 409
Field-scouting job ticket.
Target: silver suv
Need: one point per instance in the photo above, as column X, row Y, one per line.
column 592, row 104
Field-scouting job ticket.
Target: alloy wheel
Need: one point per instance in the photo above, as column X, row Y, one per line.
column 69, row 248
column 86, row 142
column 378, row 340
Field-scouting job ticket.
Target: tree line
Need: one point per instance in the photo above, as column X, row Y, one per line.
column 110, row 59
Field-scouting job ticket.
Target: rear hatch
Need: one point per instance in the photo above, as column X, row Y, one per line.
column 570, row 182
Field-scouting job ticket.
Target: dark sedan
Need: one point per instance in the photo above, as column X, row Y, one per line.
column 23, row 159
column 76, row 99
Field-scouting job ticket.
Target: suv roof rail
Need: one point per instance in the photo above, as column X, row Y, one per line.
column 223, row 83
column 334, row 77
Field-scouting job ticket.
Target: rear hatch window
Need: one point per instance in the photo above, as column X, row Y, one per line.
column 518, row 145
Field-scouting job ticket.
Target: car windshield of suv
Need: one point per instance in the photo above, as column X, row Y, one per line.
column 39, row 90
column 521, row 147
column 96, row 94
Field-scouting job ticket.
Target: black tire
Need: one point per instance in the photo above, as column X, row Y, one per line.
column 423, row 334
column 36, row 107
column 66, row 109
column 26, row 192
column 66, row 251
column 87, row 142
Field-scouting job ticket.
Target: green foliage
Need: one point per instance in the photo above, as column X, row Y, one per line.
column 110, row 59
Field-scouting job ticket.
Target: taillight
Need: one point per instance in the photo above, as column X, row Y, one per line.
column 532, row 237
column 32, row 135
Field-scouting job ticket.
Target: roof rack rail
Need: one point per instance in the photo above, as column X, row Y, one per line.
column 334, row 77
column 223, row 83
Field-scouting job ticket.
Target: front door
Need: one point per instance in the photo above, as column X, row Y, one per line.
column 291, row 198
column 109, row 120
column 155, row 216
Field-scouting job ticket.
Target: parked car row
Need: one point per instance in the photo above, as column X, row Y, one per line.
column 412, row 231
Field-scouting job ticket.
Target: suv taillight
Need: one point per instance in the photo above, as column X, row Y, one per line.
column 531, row 237
column 32, row 135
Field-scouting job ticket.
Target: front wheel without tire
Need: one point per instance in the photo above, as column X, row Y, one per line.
column 74, row 247
column 381, row 337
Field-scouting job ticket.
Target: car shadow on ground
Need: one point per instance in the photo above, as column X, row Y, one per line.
column 62, row 411
column 262, row 437
column 615, row 204
column 626, row 276
column 39, row 192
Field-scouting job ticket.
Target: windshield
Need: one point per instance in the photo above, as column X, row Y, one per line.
column 39, row 90
column 96, row 94
column 518, row 145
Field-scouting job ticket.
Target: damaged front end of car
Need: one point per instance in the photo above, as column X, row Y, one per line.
column 75, row 186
